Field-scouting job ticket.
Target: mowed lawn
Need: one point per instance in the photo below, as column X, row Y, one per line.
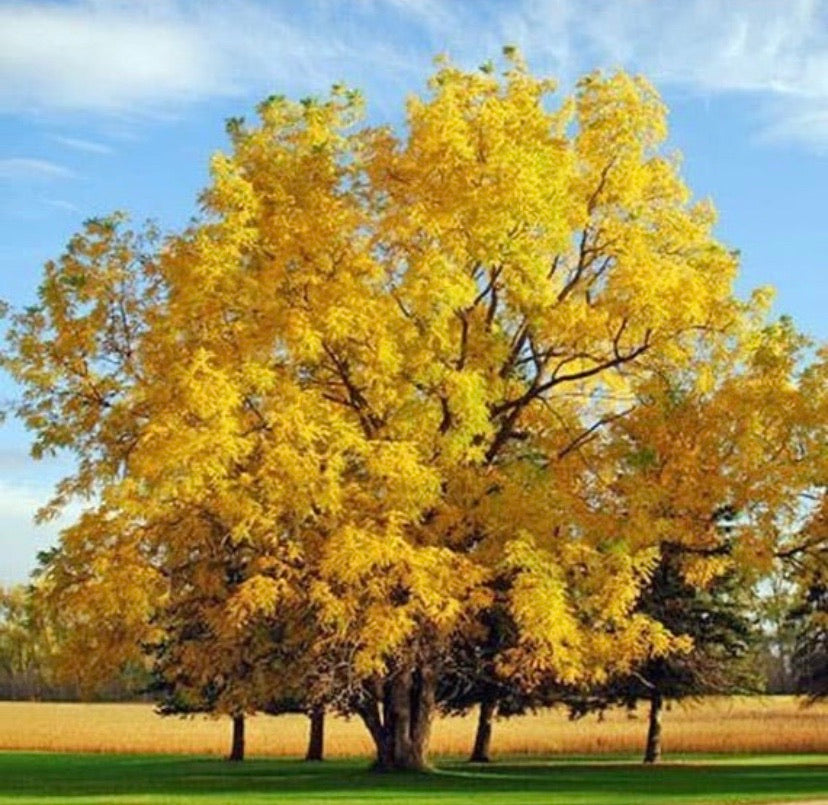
column 60, row 779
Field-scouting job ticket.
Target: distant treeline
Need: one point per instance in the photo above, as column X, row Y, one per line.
column 28, row 647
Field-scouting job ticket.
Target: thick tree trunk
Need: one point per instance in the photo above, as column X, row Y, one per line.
column 237, row 748
column 483, row 737
column 316, row 737
column 653, row 752
column 401, row 727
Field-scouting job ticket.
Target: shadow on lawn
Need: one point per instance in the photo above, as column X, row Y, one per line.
column 49, row 775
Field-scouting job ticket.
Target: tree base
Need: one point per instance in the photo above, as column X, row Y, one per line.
column 316, row 737
column 400, row 768
column 237, row 746
column 400, row 728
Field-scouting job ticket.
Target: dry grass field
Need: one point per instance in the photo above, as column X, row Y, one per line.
column 741, row 725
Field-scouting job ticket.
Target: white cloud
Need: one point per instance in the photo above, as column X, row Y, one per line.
column 61, row 204
column 98, row 56
column 89, row 146
column 27, row 485
column 775, row 50
column 806, row 124
column 132, row 56
column 29, row 168
column 20, row 538
column 774, row 46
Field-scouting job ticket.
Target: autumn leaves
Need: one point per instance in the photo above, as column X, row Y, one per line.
column 390, row 384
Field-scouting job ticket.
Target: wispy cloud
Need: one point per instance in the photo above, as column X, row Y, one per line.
column 775, row 50
column 28, row 168
column 155, row 57
column 778, row 47
column 20, row 537
column 89, row 146
column 99, row 56
column 61, row 204
column 149, row 58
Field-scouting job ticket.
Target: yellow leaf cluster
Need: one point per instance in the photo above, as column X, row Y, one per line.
column 390, row 381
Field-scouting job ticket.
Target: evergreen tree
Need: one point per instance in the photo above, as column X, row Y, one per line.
column 810, row 658
column 719, row 621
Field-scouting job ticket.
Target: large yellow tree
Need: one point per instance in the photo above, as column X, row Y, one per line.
column 375, row 366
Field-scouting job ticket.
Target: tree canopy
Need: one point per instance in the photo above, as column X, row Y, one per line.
column 382, row 385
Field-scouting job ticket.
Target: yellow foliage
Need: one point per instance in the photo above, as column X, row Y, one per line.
column 388, row 382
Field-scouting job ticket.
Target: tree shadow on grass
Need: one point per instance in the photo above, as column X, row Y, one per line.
column 52, row 778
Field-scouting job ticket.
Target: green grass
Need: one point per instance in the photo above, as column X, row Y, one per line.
column 55, row 779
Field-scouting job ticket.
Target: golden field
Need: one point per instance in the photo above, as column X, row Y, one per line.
column 763, row 724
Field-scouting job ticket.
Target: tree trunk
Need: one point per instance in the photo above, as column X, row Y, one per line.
column 653, row 751
column 316, row 738
column 237, row 749
column 401, row 727
column 483, row 737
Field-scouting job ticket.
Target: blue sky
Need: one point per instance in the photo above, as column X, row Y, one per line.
column 117, row 104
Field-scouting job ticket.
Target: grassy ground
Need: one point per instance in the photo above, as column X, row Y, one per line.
column 772, row 724
column 48, row 779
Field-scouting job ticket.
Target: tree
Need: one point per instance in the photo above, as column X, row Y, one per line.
column 708, row 460
column 203, row 664
column 775, row 600
column 316, row 735
column 25, row 646
column 718, row 621
column 471, row 678
column 98, row 607
column 811, row 652
column 378, row 365
column 810, row 617
column 713, row 460
column 717, row 460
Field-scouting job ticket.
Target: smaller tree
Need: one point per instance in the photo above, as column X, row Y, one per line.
column 474, row 677
column 471, row 678
column 225, row 651
column 811, row 651
column 810, row 617
column 715, row 617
